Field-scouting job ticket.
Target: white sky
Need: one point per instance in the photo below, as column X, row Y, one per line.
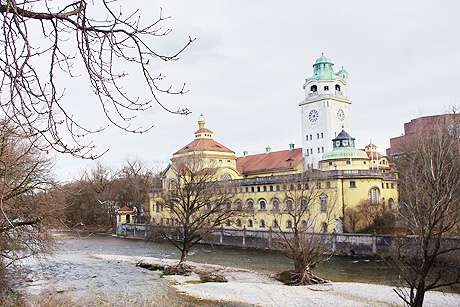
column 246, row 69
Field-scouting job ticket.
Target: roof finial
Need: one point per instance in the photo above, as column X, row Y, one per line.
column 201, row 121
column 343, row 127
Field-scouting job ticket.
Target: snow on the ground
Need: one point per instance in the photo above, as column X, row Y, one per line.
column 262, row 290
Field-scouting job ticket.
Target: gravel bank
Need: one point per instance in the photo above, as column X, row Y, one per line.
column 261, row 290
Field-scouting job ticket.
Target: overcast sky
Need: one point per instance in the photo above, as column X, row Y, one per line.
column 246, row 69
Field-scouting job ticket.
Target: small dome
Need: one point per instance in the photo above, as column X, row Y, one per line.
column 323, row 60
column 343, row 71
column 343, row 135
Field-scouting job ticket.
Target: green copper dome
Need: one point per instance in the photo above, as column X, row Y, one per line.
column 345, row 153
column 323, row 59
column 323, row 70
column 343, row 71
column 344, row 148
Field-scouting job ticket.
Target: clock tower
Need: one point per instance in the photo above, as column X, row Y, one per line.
column 325, row 110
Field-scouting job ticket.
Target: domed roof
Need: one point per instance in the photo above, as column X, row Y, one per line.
column 343, row 135
column 345, row 153
column 343, row 71
column 344, row 148
column 323, row 59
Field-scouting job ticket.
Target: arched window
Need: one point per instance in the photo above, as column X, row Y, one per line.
column 275, row 224
column 262, row 224
column 172, row 184
column 225, row 177
column 374, row 196
column 289, row 224
column 262, row 204
column 250, row 223
column 313, row 88
column 337, row 87
column 289, row 204
column 239, row 205
column 391, row 204
column 228, row 206
column 304, row 204
column 227, row 223
column 250, row 205
column 276, row 204
column 238, row 223
column 304, row 224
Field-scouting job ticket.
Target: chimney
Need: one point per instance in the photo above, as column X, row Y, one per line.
column 291, row 146
column 268, row 150
column 245, row 154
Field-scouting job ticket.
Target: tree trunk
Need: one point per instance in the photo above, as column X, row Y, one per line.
column 419, row 296
column 184, row 254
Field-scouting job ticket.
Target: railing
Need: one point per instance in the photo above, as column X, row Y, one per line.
column 293, row 178
column 348, row 243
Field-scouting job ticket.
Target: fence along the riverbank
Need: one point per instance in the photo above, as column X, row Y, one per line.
column 345, row 243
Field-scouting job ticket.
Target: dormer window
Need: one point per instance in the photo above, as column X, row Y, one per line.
column 345, row 142
column 337, row 87
column 313, row 88
column 337, row 143
column 326, row 88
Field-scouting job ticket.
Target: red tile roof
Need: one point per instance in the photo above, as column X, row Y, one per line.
column 203, row 144
column 277, row 160
column 203, row 130
column 125, row 209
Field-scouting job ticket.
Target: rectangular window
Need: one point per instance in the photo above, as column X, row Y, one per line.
column 318, row 185
column 326, row 88
column 265, row 189
column 352, row 184
column 258, row 189
column 383, row 185
column 348, row 162
column 330, row 163
column 299, row 186
column 271, row 188
column 322, row 149
column 317, row 135
column 388, row 185
column 277, row 187
column 252, row 189
column 328, row 185
column 322, row 136
column 311, row 137
column 323, row 204
column 392, row 185
column 247, row 189
column 319, row 150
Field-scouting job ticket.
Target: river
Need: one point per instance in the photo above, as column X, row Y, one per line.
column 72, row 270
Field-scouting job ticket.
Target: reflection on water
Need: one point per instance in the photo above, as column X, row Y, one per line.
column 72, row 270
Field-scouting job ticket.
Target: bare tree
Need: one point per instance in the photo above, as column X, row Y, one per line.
column 27, row 198
column 90, row 199
column 307, row 208
column 39, row 40
column 196, row 201
column 429, row 205
column 131, row 187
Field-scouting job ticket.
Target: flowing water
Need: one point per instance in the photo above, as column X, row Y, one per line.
column 72, row 270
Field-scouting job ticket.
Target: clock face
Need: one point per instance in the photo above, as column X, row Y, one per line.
column 341, row 115
column 313, row 116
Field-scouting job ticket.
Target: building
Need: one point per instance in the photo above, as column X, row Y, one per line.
column 325, row 110
column 412, row 129
column 265, row 186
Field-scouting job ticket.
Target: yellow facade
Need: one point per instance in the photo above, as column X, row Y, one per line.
column 262, row 196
